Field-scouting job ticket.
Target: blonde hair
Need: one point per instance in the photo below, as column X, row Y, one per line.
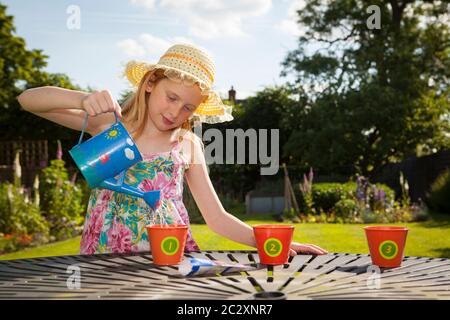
column 135, row 107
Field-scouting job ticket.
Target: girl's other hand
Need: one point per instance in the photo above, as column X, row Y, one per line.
column 306, row 249
column 99, row 102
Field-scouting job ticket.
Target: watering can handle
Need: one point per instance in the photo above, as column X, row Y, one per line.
column 85, row 124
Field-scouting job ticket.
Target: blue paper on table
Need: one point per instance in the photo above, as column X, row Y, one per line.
column 193, row 266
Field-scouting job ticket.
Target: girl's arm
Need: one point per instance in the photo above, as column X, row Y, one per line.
column 68, row 107
column 216, row 217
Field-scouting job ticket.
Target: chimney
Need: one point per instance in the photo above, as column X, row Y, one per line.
column 232, row 95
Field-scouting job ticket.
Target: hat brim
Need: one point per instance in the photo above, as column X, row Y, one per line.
column 212, row 110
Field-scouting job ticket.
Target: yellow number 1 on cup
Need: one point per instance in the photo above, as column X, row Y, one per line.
column 170, row 245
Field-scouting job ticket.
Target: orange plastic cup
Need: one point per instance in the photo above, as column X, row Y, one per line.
column 167, row 243
column 273, row 242
column 386, row 245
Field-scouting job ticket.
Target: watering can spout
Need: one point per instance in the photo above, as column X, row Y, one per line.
column 150, row 197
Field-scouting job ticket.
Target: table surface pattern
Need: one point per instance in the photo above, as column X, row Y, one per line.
column 134, row 276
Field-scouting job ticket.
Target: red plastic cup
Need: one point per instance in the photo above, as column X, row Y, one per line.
column 273, row 242
column 167, row 243
column 386, row 245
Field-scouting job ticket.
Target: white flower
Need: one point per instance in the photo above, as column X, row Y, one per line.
column 17, row 167
column 36, row 182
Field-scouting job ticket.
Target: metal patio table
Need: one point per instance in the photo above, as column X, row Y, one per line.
column 134, row 276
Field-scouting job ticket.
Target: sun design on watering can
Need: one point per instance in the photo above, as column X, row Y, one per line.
column 112, row 134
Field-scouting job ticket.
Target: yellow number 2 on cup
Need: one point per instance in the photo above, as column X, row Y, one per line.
column 273, row 247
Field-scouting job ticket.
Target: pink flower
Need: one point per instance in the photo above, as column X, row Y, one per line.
column 91, row 233
column 157, row 183
column 119, row 238
column 106, row 196
column 59, row 151
column 160, row 182
column 147, row 185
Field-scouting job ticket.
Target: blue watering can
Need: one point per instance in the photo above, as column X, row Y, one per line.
column 104, row 158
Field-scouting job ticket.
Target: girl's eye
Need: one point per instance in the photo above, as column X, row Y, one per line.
column 187, row 108
column 171, row 99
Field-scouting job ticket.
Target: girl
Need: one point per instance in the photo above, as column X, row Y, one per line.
column 170, row 96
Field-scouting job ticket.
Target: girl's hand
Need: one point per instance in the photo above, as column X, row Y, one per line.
column 99, row 102
column 306, row 249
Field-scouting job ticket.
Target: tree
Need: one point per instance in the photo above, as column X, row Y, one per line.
column 374, row 96
column 21, row 69
column 270, row 108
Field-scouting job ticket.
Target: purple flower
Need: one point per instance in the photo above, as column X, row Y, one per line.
column 306, row 187
column 382, row 195
column 360, row 188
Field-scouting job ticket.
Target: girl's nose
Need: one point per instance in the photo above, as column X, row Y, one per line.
column 175, row 110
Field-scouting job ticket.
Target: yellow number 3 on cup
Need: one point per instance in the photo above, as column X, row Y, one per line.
column 388, row 249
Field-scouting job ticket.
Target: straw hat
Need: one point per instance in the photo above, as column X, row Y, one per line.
column 188, row 64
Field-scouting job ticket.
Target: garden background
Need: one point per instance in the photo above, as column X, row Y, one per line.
column 364, row 133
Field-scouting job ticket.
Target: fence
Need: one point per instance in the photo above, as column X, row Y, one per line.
column 420, row 173
column 33, row 157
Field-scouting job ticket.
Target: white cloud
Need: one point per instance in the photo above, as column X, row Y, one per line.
column 209, row 19
column 151, row 47
column 145, row 45
column 131, row 48
column 149, row 4
column 289, row 25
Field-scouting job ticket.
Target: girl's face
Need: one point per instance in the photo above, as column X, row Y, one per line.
column 171, row 103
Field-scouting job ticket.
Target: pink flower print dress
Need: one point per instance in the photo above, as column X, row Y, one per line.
column 115, row 222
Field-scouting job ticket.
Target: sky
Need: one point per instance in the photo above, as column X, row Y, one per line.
column 91, row 41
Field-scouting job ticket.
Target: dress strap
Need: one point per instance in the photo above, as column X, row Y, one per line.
column 175, row 145
column 177, row 152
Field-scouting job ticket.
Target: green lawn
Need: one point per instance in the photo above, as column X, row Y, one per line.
column 430, row 238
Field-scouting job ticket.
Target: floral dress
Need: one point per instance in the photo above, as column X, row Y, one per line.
column 115, row 222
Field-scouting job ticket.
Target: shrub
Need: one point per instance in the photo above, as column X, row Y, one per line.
column 347, row 210
column 18, row 215
column 438, row 198
column 356, row 202
column 290, row 215
column 325, row 196
column 62, row 201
